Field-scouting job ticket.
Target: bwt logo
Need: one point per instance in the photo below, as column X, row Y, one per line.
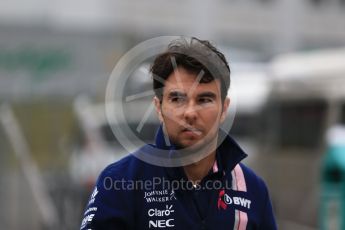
column 227, row 199
column 237, row 201
column 224, row 200
column 161, row 223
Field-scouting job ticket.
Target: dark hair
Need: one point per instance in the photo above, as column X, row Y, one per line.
column 194, row 56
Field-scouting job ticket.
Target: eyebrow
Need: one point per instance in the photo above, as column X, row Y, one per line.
column 208, row 94
column 181, row 94
column 176, row 94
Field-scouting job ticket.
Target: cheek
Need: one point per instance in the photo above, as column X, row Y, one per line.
column 170, row 115
column 212, row 119
column 213, row 113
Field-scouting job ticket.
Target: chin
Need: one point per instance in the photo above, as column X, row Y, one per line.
column 193, row 145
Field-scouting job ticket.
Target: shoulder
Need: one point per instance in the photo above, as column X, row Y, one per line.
column 248, row 181
column 129, row 168
column 119, row 168
column 259, row 194
column 253, row 181
column 115, row 179
column 108, row 204
column 125, row 168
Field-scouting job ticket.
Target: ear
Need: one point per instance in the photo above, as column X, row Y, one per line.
column 226, row 105
column 158, row 108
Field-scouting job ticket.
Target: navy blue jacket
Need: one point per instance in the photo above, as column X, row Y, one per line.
column 132, row 194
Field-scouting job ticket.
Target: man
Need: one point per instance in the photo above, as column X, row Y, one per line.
column 210, row 188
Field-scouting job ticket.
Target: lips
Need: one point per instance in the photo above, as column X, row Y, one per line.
column 192, row 131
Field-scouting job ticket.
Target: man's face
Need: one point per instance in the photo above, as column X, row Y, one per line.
column 191, row 111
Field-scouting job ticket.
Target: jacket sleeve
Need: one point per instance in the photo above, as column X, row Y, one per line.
column 107, row 207
column 268, row 221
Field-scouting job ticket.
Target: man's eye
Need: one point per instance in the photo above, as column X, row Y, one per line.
column 205, row 100
column 178, row 99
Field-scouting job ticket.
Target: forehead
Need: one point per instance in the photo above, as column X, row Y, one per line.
column 185, row 81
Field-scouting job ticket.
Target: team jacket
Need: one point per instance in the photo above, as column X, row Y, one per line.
column 230, row 197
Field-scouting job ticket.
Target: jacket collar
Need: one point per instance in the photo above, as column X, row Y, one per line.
column 229, row 153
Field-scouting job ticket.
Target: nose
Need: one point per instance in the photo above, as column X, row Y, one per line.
column 190, row 113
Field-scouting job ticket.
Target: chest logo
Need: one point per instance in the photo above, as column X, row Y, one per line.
column 165, row 219
column 224, row 200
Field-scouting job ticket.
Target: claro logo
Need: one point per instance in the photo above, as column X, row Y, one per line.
column 165, row 212
column 161, row 223
column 168, row 223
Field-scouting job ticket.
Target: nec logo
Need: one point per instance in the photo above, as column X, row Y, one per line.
column 161, row 223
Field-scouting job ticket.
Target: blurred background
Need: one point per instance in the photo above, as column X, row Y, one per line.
column 288, row 69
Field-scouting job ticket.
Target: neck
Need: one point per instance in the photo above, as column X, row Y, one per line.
column 197, row 171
